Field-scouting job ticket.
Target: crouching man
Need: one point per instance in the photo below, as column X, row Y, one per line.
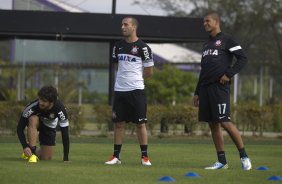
column 43, row 115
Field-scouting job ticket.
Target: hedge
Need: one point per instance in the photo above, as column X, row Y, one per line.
column 10, row 113
column 248, row 116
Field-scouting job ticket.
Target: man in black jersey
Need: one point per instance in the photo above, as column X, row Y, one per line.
column 212, row 93
column 43, row 115
column 135, row 63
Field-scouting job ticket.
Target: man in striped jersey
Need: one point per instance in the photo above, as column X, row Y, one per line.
column 43, row 115
column 212, row 93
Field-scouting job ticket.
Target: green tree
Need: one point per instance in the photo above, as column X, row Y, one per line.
column 257, row 24
column 170, row 85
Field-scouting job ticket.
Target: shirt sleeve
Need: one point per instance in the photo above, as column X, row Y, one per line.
column 64, row 127
column 66, row 142
column 114, row 54
column 62, row 115
column 241, row 59
column 147, row 56
column 20, row 131
column 23, row 122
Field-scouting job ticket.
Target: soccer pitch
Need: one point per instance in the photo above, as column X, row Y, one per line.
column 172, row 157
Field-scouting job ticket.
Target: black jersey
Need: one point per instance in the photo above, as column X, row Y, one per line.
column 217, row 58
column 131, row 59
column 50, row 118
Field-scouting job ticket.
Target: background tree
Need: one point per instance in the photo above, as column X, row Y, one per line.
column 170, row 85
column 256, row 24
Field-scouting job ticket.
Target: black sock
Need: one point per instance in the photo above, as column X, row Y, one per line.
column 33, row 149
column 144, row 152
column 221, row 157
column 242, row 153
column 117, row 148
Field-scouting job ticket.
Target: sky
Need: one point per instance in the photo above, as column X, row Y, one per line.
column 105, row 6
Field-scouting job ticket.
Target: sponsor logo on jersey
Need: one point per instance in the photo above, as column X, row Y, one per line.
column 126, row 58
column 134, row 50
column 146, row 53
column 61, row 115
column 211, row 52
column 28, row 113
column 217, row 43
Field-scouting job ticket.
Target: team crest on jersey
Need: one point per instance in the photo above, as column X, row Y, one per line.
column 52, row 116
column 134, row 50
column 218, row 43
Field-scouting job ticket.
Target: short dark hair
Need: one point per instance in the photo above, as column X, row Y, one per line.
column 214, row 15
column 134, row 20
column 48, row 93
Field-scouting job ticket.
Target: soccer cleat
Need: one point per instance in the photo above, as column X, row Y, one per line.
column 23, row 156
column 113, row 160
column 246, row 163
column 33, row 159
column 145, row 161
column 217, row 165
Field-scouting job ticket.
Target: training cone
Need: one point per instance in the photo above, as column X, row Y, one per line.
column 262, row 168
column 275, row 178
column 192, row 175
column 166, row 179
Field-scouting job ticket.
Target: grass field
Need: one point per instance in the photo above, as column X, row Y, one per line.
column 170, row 157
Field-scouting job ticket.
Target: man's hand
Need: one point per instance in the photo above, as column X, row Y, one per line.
column 224, row 79
column 196, row 101
column 27, row 151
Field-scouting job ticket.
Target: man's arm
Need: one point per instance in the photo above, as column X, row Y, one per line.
column 20, row 132
column 148, row 72
column 241, row 58
column 66, row 142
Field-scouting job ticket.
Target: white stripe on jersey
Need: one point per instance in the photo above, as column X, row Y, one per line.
column 64, row 123
column 51, row 123
column 235, row 48
column 148, row 63
column 27, row 111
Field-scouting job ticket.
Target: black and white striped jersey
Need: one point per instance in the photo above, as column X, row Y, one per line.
column 51, row 118
column 217, row 59
column 131, row 59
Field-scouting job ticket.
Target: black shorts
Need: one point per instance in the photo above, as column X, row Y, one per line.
column 130, row 106
column 47, row 135
column 214, row 102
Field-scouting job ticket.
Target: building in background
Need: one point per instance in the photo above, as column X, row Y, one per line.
column 44, row 62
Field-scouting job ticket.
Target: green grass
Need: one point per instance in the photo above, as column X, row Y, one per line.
column 170, row 156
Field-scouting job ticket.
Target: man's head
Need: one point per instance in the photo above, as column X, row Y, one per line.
column 47, row 96
column 129, row 26
column 212, row 22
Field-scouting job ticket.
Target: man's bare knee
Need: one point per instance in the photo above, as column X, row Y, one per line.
column 119, row 125
column 141, row 125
